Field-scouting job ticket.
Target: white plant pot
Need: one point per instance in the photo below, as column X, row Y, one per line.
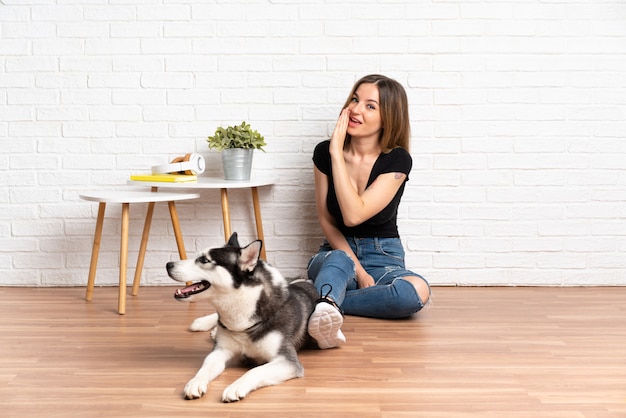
column 237, row 163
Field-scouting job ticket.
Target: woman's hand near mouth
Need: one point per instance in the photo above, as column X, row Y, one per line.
column 339, row 133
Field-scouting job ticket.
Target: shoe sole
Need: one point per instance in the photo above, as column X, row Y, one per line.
column 325, row 326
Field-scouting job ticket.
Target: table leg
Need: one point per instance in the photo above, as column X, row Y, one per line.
column 258, row 220
column 142, row 248
column 123, row 257
column 225, row 214
column 180, row 243
column 95, row 251
column 182, row 253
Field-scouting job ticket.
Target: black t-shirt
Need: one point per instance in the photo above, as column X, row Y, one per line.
column 384, row 223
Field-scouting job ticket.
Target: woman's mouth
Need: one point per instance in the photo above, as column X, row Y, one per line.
column 354, row 122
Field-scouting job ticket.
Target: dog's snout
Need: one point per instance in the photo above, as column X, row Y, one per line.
column 169, row 266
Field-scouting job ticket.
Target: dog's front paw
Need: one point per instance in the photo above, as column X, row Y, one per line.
column 204, row 323
column 195, row 388
column 235, row 392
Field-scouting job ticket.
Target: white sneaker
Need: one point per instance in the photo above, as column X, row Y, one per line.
column 325, row 325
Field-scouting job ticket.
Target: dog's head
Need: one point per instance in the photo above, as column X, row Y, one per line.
column 216, row 270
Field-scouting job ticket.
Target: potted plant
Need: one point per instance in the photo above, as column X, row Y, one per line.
column 237, row 144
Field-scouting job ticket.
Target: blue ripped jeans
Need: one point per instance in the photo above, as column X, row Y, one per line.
column 383, row 259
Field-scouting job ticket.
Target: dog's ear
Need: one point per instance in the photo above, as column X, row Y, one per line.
column 233, row 241
column 250, row 256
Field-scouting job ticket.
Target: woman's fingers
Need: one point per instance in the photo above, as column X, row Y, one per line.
column 341, row 128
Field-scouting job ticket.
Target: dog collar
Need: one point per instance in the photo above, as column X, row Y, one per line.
column 249, row 329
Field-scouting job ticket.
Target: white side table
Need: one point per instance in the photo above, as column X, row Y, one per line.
column 223, row 186
column 126, row 198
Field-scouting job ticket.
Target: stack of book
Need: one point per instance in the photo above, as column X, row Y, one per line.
column 165, row 178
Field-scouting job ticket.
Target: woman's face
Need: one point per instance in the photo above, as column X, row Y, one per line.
column 365, row 120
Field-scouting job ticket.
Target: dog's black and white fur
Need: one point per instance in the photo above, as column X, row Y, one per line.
column 260, row 316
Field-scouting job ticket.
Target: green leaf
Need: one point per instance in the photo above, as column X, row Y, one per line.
column 237, row 136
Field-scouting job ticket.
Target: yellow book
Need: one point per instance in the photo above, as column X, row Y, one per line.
column 166, row 178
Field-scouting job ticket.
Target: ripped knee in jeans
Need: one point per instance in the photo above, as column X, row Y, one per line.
column 421, row 287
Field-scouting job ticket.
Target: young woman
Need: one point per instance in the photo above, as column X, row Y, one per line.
column 360, row 175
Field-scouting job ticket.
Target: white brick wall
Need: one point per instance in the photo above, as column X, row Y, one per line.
column 518, row 113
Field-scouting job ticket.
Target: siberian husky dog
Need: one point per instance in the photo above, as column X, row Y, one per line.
column 260, row 316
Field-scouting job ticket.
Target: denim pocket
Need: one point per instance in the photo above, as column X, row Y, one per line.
column 390, row 247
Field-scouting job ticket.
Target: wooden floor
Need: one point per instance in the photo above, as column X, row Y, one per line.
column 475, row 352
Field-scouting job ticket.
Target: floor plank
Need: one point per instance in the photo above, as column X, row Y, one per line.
column 475, row 352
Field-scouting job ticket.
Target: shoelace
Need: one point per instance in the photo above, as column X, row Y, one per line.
column 322, row 296
column 326, row 299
